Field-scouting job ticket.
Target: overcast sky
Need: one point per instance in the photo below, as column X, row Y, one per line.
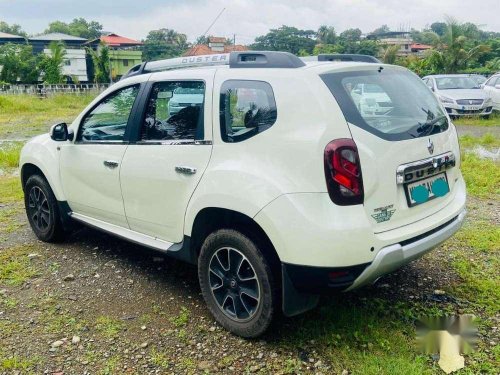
column 247, row 18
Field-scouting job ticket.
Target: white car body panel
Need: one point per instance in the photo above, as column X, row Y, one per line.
column 493, row 91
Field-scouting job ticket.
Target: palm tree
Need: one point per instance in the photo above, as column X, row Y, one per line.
column 455, row 49
column 100, row 59
column 326, row 35
column 52, row 63
column 390, row 53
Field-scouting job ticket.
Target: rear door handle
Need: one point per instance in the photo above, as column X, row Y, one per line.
column 185, row 170
column 111, row 164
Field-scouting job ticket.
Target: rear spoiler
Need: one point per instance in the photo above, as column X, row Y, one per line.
column 342, row 57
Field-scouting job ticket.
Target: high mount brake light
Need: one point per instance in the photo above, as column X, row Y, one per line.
column 343, row 172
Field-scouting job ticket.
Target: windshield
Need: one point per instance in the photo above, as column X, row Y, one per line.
column 451, row 83
column 396, row 106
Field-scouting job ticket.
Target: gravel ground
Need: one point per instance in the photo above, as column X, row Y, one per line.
column 99, row 302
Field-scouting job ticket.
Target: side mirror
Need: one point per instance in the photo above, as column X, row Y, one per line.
column 59, row 132
column 433, row 89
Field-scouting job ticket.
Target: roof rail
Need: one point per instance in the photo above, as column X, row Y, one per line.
column 247, row 59
column 343, row 57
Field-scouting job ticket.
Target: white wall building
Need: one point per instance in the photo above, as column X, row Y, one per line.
column 75, row 64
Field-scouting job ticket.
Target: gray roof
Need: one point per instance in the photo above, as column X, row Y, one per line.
column 10, row 36
column 57, row 36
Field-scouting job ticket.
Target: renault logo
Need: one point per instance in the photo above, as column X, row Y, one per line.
column 471, row 101
column 430, row 147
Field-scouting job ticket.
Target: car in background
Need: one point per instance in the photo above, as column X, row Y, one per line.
column 183, row 97
column 492, row 88
column 460, row 94
column 371, row 99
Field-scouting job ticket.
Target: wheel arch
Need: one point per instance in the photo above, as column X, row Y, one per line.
column 210, row 219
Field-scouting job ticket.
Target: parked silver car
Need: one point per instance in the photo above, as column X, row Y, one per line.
column 460, row 94
column 492, row 88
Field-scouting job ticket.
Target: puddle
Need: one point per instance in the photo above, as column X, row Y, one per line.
column 484, row 153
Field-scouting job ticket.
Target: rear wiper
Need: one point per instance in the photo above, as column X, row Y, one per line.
column 429, row 126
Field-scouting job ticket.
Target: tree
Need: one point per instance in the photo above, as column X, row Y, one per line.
column 439, row 28
column 100, row 60
column 52, row 63
column 456, row 49
column 351, row 35
column 78, row 27
column 13, row 29
column 381, row 30
column 288, row 39
column 390, row 54
column 164, row 43
column 19, row 64
column 326, row 35
column 327, row 49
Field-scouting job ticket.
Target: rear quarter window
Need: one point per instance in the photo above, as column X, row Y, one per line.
column 247, row 108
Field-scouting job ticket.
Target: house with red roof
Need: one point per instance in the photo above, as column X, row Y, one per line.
column 215, row 45
column 124, row 53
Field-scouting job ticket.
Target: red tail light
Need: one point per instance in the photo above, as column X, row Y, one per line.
column 343, row 172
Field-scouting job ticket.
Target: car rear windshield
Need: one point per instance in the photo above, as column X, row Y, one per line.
column 391, row 103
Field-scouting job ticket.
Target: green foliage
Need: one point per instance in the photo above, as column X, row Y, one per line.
column 390, row 54
column 51, row 64
column 19, row 64
column 100, row 60
column 326, row 35
column 327, row 48
column 165, row 43
column 13, row 29
column 9, row 154
column 78, row 27
column 351, row 35
column 286, row 38
column 15, row 266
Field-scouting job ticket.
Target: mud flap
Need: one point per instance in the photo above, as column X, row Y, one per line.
column 294, row 302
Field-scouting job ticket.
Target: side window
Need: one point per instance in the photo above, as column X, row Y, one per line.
column 108, row 121
column 247, row 108
column 174, row 111
column 492, row 81
column 429, row 84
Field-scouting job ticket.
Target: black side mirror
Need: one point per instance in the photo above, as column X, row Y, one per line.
column 59, row 132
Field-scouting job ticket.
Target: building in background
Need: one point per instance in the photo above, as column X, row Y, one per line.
column 215, row 45
column 124, row 53
column 419, row 48
column 398, row 38
column 9, row 38
column 75, row 63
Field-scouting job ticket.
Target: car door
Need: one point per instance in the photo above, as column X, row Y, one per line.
column 90, row 166
column 162, row 168
column 494, row 93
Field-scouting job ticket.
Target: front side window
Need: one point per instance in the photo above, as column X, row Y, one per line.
column 391, row 103
column 493, row 81
column 108, row 120
column 247, row 108
column 174, row 111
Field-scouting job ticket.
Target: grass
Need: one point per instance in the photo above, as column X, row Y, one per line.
column 487, row 140
column 9, row 154
column 182, row 319
column 478, row 264
column 494, row 120
column 108, row 326
column 23, row 116
column 10, row 190
column 15, row 266
column 482, row 176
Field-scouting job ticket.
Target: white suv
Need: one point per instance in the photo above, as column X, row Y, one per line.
column 278, row 187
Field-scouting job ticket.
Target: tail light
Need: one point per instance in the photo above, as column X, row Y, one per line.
column 343, row 172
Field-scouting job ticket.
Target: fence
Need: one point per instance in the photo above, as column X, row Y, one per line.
column 47, row 90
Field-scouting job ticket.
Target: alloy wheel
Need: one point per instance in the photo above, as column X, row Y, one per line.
column 39, row 209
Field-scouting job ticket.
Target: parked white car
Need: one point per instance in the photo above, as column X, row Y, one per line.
column 460, row 94
column 278, row 187
column 492, row 88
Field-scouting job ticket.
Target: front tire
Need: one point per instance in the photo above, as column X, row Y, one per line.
column 42, row 209
column 237, row 283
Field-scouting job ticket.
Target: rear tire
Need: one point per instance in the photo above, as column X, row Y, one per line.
column 486, row 117
column 42, row 209
column 237, row 283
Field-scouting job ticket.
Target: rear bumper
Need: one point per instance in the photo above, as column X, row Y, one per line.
column 394, row 256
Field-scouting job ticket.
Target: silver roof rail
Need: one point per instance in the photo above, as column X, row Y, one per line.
column 246, row 59
column 342, row 57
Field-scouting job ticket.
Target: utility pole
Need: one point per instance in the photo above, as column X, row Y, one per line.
column 234, row 39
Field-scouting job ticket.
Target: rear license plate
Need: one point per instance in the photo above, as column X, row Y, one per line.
column 424, row 190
